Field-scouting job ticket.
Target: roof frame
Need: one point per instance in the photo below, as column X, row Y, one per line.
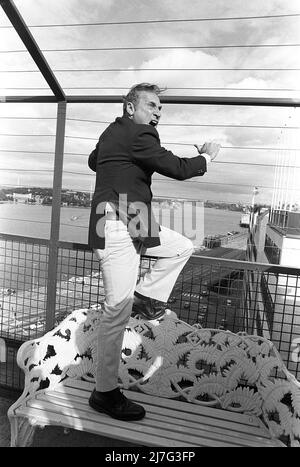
column 31, row 45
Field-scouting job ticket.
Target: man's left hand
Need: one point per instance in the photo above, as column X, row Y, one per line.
column 211, row 148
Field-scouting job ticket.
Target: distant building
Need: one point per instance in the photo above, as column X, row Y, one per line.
column 22, row 197
column 272, row 298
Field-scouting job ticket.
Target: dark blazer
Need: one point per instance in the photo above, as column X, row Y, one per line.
column 125, row 157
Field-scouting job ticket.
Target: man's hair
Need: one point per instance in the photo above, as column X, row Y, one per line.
column 134, row 92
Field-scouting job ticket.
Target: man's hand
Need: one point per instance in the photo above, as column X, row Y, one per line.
column 209, row 148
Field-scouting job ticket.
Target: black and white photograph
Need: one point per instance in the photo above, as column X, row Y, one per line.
column 149, row 226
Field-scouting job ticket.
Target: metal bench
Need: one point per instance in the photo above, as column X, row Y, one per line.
column 200, row 387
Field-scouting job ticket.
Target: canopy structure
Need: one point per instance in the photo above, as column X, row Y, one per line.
column 58, row 93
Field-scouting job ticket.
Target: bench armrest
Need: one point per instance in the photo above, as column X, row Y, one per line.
column 61, row 353
column 280, row 393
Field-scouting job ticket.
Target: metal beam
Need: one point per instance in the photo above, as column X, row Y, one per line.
column 71, row 99
column 240, row 101
column 22, row 99
column 201, row 100
column 55, row 215
column 21, row 28
column 204, row 100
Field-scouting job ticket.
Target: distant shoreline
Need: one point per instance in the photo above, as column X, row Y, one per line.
column 82, row 199
column 208, row 206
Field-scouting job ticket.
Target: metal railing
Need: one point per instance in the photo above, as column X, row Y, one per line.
column 210, row 292
column 289, row 221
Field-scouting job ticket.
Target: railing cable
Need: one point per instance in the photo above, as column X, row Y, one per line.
column 158, row 21
column 158, row 47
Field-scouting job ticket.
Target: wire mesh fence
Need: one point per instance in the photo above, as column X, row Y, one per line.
column 210, row 292
column 23, row 275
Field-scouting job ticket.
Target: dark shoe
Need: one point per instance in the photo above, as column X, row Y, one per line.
column 147, row 308
column 115, row 404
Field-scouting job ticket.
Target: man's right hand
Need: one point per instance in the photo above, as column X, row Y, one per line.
column 211, row 148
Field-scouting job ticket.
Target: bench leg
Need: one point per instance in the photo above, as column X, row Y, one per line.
column 22, row 431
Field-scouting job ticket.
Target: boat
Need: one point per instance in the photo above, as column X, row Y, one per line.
column 245, row 220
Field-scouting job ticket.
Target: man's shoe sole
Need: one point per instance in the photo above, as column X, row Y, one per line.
column 148, row 318
column 107, row 412
column 144, row 316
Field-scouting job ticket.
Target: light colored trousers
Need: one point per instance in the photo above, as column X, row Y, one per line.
column 119, row 263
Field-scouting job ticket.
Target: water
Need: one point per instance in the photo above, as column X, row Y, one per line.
column 34, row 221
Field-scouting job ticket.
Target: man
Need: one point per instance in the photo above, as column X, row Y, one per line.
column 122, row 226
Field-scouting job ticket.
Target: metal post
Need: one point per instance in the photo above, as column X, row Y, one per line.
column 55, row 215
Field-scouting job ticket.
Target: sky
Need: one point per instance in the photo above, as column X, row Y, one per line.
column 193, row 57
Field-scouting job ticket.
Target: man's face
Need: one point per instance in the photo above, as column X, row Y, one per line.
column 147, row 110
